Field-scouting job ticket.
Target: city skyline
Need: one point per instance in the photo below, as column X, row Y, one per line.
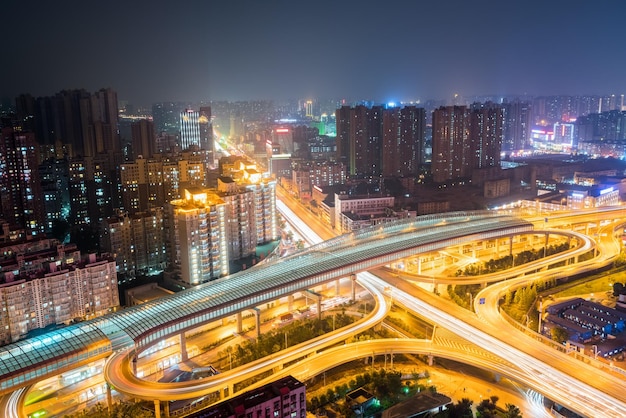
column 247, row 50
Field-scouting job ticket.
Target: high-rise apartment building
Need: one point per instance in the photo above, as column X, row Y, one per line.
column 84, row 127
column 55, row 188
column 166, row 117
column 465, row 139
column 373, row 140
column 150, row 183
column 486, row 127
column 241, row 217
column 21, row 202
column 137, row 242
column 452, row 155
column 403, row 141
column 197, row 240
column 359, row 139
column 206, row 131
column 79, row 197
column 189, row 129
column 517, row 126
column 143, row 139
column 54, row 287
column 263, row 188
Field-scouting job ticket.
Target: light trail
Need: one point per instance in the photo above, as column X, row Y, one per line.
column 558, row 386
column 302, row 228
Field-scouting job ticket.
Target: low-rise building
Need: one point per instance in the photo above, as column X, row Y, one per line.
column 285, row 397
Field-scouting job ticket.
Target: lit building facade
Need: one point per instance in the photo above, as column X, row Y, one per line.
column 486, row 130
column 308, row 174
column 189, row 129
column 151, row 183
column 348, row 208
column 244, row 172
column 359, row 139
column 241, row 218
column 403, row 140
column 66, row 289
column 283, row 398
column 137, row 241
column 517, row 126
column 452, row 154
column 21, row 202
column 198, row 238
column 465, row 139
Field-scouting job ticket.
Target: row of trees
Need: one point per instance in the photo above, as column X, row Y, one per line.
column 118, row 410
column 487, row 408
column 508, row 261
column 274, row 341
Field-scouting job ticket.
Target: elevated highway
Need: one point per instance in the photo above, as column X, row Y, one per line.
column 139, row 327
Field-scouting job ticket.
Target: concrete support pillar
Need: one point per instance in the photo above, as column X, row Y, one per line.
column 511, row 251
column 318, row 300
column 239, row 323
column 257, row 321
column 226, row 391
column 109, row 397
column 545, row 243
column 166, row 409
column 430, row 359
column 353, row 282
column 183, row 347
column 134, row 365
column 157, row 409
column 290, row 303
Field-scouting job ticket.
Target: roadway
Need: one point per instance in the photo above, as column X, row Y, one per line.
column 559, row 381
column 392, row 239
column 119, row 374
column 563, row 396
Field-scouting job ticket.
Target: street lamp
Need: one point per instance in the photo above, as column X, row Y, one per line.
column 595, row 351
column 471, row 306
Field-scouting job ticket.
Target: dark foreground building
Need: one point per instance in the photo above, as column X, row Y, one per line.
column 285, row 397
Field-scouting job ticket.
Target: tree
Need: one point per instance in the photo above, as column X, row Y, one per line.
column 330, row 395
column 559, row 334
column 618, row 288
column 487, row 407
column 118, row 410
column 462, row 409
column 512, row 411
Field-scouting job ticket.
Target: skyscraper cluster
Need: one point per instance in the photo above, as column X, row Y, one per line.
column 464, row 139
column 374, row 141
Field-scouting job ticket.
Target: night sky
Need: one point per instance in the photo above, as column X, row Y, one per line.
column 386, row 50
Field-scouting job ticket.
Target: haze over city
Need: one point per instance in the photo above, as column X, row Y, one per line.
column 336, row 208
column 241, row 50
